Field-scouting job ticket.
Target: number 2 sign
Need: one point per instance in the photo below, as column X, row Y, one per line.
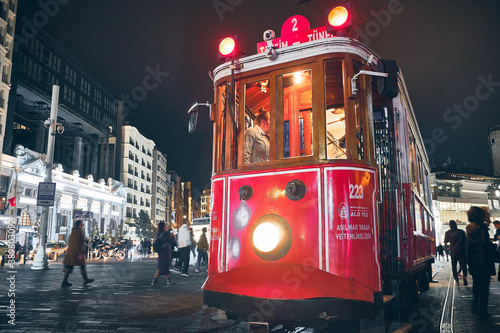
column 294, row 24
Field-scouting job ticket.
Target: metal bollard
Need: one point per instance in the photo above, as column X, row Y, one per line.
column 21, row 260
column 55, row 257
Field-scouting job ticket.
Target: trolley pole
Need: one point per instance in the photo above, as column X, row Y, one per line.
column 40, row 261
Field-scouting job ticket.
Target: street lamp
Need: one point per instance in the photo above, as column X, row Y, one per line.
column 40, row 261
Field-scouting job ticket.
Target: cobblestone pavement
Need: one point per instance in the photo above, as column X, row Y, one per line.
column 120, row 300
column 428, row 315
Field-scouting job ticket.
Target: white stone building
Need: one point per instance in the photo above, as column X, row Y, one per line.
column 104, row 199
column 159, row 201
column 137, row 173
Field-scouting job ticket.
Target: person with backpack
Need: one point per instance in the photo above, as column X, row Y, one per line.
column 163, row 246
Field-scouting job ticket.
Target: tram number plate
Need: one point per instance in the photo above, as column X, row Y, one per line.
column 355, row 191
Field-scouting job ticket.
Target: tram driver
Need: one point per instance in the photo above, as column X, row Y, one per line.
column 257, row 139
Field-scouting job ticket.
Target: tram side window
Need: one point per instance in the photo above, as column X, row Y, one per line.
column 413, row 161
column 335, row 113
column 297, row 114
column 358, row 117
column 257, row 119
column 226, row 128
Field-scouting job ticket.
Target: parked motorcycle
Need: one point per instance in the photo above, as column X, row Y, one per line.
column 107, row 251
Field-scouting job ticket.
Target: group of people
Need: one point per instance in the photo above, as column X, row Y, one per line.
column 475, row 250
column 185, row 243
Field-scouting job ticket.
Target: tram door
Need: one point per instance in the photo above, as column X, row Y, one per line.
column 387, row 173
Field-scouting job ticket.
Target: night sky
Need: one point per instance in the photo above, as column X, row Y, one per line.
column 448, row 51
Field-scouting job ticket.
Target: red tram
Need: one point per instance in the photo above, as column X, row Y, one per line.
column 336, row 216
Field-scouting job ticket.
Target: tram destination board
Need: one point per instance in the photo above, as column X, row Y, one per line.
column 46, row 194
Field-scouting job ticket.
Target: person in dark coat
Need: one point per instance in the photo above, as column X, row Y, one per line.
column 202, row 250
column 481, row 265
column 164, row 256
column 75, row 255
column 458, row 246
column 440, row 252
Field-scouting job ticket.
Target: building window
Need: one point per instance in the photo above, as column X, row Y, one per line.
column 25, row 219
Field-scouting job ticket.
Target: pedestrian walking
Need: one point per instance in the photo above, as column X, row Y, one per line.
column 128, row 248
column 164, row 241
column 75, row 255
column 146, row 248
column 479, row 254
column 184, row 240
column 193, row 245
column 458, row 245
column 446, row 251
column 496, row 240
column 202, row 250
column 440, row 251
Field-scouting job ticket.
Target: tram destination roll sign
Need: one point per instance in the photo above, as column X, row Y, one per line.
column 46, row 194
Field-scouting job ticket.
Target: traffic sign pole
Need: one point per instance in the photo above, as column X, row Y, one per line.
column 40, row 261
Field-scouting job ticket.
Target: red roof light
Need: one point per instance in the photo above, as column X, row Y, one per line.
column 339, row 19
column 228, row 47
column 338, row 16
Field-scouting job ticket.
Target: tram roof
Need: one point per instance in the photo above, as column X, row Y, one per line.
column 297, row 52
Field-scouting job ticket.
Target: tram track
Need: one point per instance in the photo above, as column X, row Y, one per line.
column 447, row 316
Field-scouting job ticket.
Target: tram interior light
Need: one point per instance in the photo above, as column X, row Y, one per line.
column 339, row 19
column 228, row 47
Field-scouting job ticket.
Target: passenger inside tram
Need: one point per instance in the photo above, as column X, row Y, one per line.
column 335, row 131
column 257, row 139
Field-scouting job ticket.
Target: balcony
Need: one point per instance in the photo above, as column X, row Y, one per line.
column 129, row 200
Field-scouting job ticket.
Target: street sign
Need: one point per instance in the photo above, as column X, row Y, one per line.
column 46, row 194
column 81, row 214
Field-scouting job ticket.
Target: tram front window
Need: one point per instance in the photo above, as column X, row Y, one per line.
column 297, row 114
column 335, row 113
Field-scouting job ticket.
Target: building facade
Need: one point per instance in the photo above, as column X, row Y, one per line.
column 103, row 199
column 494, row 144
column 205, row 203
column 8, row 10
column 87, row 111
column 159, row 200
column 455, row 193
column 137, row 166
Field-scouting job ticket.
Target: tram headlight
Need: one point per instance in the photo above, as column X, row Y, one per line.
column 266, row 237
column 271, row 237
